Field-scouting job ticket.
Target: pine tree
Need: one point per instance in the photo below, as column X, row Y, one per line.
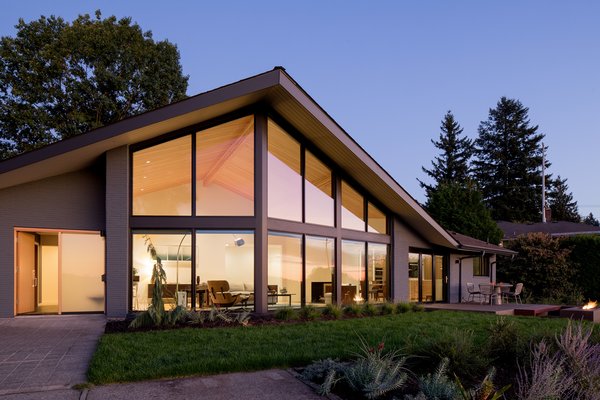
column 507, row 164
column 561, row 202
column 452, row 165
column 590, row 220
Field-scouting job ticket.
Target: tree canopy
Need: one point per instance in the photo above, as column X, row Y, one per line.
column 563, row 207
column 508, row 160
column 60, row 79
column 459, row 207
column 452, row 165
column 591, row 220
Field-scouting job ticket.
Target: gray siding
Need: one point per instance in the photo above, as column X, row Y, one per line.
column 70, row 201
column 117, row 232
column 404, row 238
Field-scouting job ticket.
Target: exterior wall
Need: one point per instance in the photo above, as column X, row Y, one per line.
column 458, row 284
column 70, row 201
column 117, row 232
column 403, row 239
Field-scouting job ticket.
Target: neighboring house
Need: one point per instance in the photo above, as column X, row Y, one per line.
column 251, row 189
column 555, row 228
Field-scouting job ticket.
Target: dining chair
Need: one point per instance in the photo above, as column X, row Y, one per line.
column 516, row 295
column 472, row 292
column 488, row 292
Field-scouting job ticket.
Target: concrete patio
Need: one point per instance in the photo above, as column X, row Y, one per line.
column 538, row 310
column 40, row 353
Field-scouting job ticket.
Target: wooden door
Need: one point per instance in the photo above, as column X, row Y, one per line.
column 26, row 279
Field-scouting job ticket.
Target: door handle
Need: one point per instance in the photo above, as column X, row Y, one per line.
column 35, row 282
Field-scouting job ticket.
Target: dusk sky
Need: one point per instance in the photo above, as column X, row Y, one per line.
column 388, row 71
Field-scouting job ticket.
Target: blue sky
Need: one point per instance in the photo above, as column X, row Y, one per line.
column 387, row 71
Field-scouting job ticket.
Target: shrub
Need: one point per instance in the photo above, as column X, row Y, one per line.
column 486, row 390
column 464, row 357
column 352, row 310
column 402, row 308
column 332, row 311
column 416, row 307
column 318, row 370
column 585, row 255
column 285, row 314
column 309, row 313
column 369, row 310
column 386, row 308
column 437, row 386
column 504, row 342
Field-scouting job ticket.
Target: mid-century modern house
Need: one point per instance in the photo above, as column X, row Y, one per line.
column 250, row 191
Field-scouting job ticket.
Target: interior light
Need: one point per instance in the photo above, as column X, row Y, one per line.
column 147, row 162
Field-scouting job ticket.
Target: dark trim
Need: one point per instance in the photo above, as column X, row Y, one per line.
column 168, row 222
column 348, row 234
column 193, row 176
column 261, row 238
column 194, row 272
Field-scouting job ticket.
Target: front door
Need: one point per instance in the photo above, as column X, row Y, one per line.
column 26, row 273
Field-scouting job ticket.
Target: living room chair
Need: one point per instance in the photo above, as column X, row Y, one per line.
column 220, row 295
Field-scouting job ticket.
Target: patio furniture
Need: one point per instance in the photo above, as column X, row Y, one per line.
column 516, row 294
column 487, row 292
column 472, row 292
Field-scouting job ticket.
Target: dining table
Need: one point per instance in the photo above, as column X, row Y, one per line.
column 498, row 290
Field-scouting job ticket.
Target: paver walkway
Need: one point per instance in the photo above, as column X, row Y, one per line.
column 46, row 352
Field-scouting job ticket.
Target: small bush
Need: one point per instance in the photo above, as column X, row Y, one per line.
column 369, row 310
column 416, row 307
column 332, row 311
column 386, row 309
column 309, row 313
column 464, row 357
column 504, row 342
column 318, row 370
column 437, row 386
column 352, row 310
column 286, row 314
column 196, row 317
column 402, row 308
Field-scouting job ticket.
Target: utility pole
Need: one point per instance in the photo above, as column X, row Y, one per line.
column 543, row 183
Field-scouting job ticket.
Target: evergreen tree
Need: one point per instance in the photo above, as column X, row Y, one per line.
column 507, row 164
column 459, row 207
column 60, row 79
column 590, row 220
column 561, row 202
column 452, row 165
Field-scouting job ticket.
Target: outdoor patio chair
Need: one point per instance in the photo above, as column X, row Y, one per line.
column 487, row 292
column 472, row 292
column 516, row 295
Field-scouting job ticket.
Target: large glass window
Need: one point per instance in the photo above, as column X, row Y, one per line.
column 413, row 276
column 377, row 220
column 353, row 272
column 284, row 175
column 353, row 211
column 225, row 268
column 285, row 269
column 377, row 265
column 426, row 278
column 320, row 270
column 318, row 192
column 174, row 251
column 162, row 179
column 225, row 169
column 439, row 278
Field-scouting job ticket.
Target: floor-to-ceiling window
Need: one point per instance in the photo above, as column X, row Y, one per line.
column 320, row 270
column 377, row 271
column 414, row 262
column 170, row 251
column 225, row 169
column 353, row 272
column 284, row 269
column 427, row 277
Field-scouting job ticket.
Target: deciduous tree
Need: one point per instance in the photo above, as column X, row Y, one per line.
column 60, row 79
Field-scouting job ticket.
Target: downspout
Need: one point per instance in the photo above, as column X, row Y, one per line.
column 460, row 274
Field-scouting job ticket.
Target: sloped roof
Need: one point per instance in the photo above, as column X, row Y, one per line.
column 468, row 243
column 275, row 89
column 555, row 228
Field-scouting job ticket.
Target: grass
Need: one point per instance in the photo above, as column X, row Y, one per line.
column 138, row 356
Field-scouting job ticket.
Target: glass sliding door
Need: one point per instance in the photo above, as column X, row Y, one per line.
column 426, row 278
column 439, row 278
column 320, row 271
column 414, row 266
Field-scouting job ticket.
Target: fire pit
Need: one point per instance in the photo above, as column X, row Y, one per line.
column 589, row 312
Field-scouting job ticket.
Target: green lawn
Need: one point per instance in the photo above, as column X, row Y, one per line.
column 192, row 351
